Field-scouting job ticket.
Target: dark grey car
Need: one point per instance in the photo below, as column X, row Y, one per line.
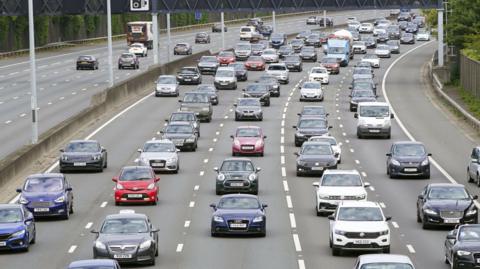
column 83, row 155
column 189, row 75
column 272, row 82
column 314, row 158
column 210, row 90
column 408, row 158
column 258, row 90
column 182, row 134
column 358, row 96
column 248, row 108
column 308, row 54
column 186, row 116
column 237, row 175
column 241, row 71
column 199, row 103
column 208, row 64
column 293, row 62
column 308, row 127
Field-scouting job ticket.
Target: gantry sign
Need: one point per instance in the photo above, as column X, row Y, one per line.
column 73, row 7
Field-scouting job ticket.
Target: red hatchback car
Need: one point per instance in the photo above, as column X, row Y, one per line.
column 226, row 57
column 136, row 184
column 248, row 140
column 255, row 63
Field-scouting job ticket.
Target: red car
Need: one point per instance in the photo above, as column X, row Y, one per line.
column 248, row 140
column 136, row 184
column 331, row 64
column 255, row 63
column 226, row 57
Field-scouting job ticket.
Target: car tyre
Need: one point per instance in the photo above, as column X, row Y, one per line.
column 386, row 250
column 425, row 224
column 469, row 178
column 218, row 192
column 478, row 180
column 336, row 251
column 34, row 236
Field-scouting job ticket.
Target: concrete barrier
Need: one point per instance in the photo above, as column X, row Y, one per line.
column 101, row 103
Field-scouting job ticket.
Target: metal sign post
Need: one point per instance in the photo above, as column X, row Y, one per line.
column 440, row 37
column 223, row 30
column 155, row 37
column 33, row 73
column 169, row 41
column 109, row 41
column 274, row 25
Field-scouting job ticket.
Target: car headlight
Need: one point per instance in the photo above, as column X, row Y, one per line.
column 332, row 163
column 23, row 201
column 340, row 232
column 301, row 163
column 172, row 160
column 384, row 232
column 258, row 143
column 221, row 177
column 430, row 211
column 395, row 162
column 236, row 142
column 96, row 157
column 19, row 233
column 100, row 245
column 471, row 211
column 206, row 109
column 60, row 199
column 361, row 197
column 217, row 219
column 463, row 253
column 324, row 196
column 252, row 177
column 119, row 186
column 299, row 134
column 146, row 244
column 64, row 158
column 258, row 219
column 425, row 162
column 151, row 186
column 190, row 140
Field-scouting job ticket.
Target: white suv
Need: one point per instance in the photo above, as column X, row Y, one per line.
column 359, row 225
column 336, row 186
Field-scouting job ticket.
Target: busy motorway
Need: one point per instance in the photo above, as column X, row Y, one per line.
column 296, row 232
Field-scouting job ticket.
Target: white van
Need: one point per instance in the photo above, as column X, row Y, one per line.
column 247, row 32
column 374, row 119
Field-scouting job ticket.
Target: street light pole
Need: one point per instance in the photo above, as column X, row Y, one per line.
column 273, row 21
column 155, row 36
column 223, row 29
column 169, row 40
column 33, row 73
column 440, row 37
column 109, row 42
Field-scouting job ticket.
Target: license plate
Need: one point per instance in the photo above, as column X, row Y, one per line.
column 178, row 143
column 158, row 164
column 40, row 209
column 410, row 169
column 238, row 225
column 2, row 244
column 247, row 148
column 451, row 220
column 236, row 184
column 361, row 242
column 79, row 164
column 122, row 256
column 374, row 131
column 188, row 79
column 254, row 65
column 223, row 83
column 134, row 195
column 317, row 168
column 84, row 62
column 478, row 260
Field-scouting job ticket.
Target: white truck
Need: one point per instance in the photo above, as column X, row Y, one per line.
column 374, row 119
column 140, row 32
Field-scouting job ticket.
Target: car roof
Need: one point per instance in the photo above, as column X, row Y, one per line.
column 3, row 206
column 446, row 185
column 159, row 141
column 239, row 195
column 80, row 140
column 374, row 104
column 336, row 172
column 226, row 68
column 97, row 262
column 369, row 258
column 359, row 204
column 315, row 143
column 312, row 117
column 127, row 216
column 46, row 175
column 179, row 123
column 237, row 159
column 407, row 142
column 248, row 127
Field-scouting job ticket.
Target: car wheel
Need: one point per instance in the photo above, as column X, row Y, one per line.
column 419, row 219
column 386, row 249
column 298, row 143
column 213, row 234
column 469, row 178
column 71, row 208
column 78, row 68
column 156, row 252
column 427, row 175
column 152, row 262
column 105, row 165
column 335, row 251
column 478, row 180
column 66, row 216
column 34, row 236
column 236, row 117
column 117, row 203
column 218, row 192
column 263, row 233
column 262, row 154
column 425, row 224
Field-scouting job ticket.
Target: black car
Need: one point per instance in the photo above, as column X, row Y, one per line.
column 404, row 16
column 237, row 175
column 303, row 34
column 208, row 64
column 328, row 21
column 217, row 27
column 370, row 42
column 408, row 158
column 210, row 90
column 308, row 127
column 189, row 75
column 265, row 30
column 182, row 134
column 241, row 71
column 462, row 247
column 308, row 53
column 258, row 90
column 272, row 82
column 248, row 109
column 407, row 38
column 394, row 46
column 313, row 40
column 358, row 96
column 297, row 44
column 313, row 111
column 314, row 158
column 83, row 155
column 277, row 40
column 382, row 37
column 393, row 32
column 411, row 28
column 127, row 237
column 284, row 51
column 202, row 37
column 446, row 204
column 87, row 62
column 293, row 62
column 185, row 116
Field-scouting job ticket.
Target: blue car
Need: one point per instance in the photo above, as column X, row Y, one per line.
column 94, row 264
column 239, row 214
column 17, row 227
column 48, row 194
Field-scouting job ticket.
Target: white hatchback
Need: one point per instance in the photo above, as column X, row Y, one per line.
column 320, row 74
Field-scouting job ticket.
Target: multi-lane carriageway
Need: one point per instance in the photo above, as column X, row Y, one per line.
column 296, row 237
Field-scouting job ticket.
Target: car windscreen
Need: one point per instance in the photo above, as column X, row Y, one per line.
column 341, row 180
column 182, row 117
column 167, row 80
column 311, row 85
column 256, row 88
column 370, row 56
column 277, row 67
column 363, row 94
column 383, row 47
column 225, row 73
column 201, row 34
column 159, row 147
column 137, row 173
column 226, row 54
column 127, row 56
column 336, row 50
column 255, row 59
column 309, row 123
column 10, row 215
column 188, row 71
column 277, row 36
column 316, row 149
column 195, row 98
column 43, row 184
column 181, row 45
column 269, row 52
column 238, row 203
column 386, row 265
column 237, row 165
column 469, row 233
column 307, row 49
column 326, row 139
column 92, row 267
column 374, row 111
column 313, row 110
column 313, row 37
column 248, row 132
column 140, row 46
column 237, row 66
column 246, row 30
column 210, row 59
column 409, row 150
column 124, row 226
column 248, row 102
column 85, row 58
column 448, row 193
column 319, row 71
column 329, row 60
column 205, row 88
column 82, row 147
column 178, row 129
column 362, row 71
column 257, row 47
column 291, row 59
column 243, row 47
column 359, row 214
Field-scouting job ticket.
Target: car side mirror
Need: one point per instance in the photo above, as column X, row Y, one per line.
column 264, row 205
column 355, row 115
column 62, row 150
column 258, row 169
column 157, row 179
column 215, row 169
column 167, row 120
column 294, row 127
column 264, row 137
column 389, row 154
column 231, row 136
column 421, row 197
column 451, row 236
column 330, row 127
column 94, row 231
column 214, row 206
column 155, row 230
column 388, row 218
column 104, row 149
column 139, row 150
column 475, row 197
column 299, row 114
column 296, row 154
column 316, row 184
column 331, row 217
column 367, row 184
column 429, row 154
column 235, row 105
column 19, row 190
column 392, row 116
column 180, row 101
column 115, row 179
column 69, row 189
column 349, row 95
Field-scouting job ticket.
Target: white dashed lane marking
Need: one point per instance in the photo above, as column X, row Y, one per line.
column 289, row 201
column 191, row 204
column 293, row 222
column 89, row 225
column 72, row 249
column 179, row 248
column 187, row 224
column 410, row 249
column 296, row 241
column 285, row 186
column 104, row 204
